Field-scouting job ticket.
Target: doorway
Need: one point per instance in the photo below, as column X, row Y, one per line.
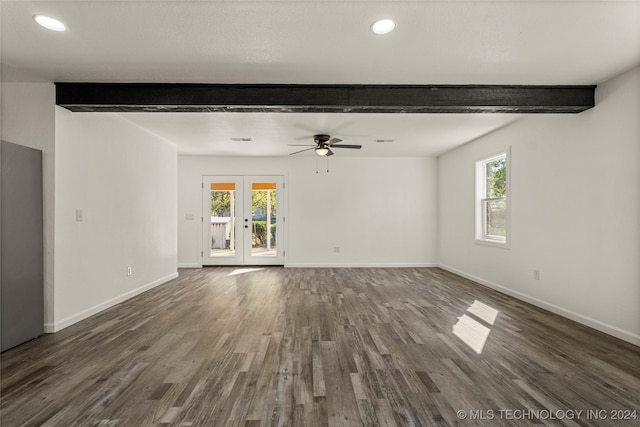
column 242, row 220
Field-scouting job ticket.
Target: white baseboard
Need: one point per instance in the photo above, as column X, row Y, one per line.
column 58, row 326
column 624, row 335
column 360, row 265
column 189, row 265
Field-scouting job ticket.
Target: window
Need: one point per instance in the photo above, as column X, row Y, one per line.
column 492, row 207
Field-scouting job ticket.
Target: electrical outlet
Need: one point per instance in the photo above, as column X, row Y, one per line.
column 336, row 249
column 79, row 215
column 536, row 274
column 129, row 271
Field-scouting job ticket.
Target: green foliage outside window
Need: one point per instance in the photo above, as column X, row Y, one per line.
column 497, row 178
column 259, row 202
column 221, row 203
column 260, row 234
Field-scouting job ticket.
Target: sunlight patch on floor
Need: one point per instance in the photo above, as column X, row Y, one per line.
column 472, row 332
column 483, row 312
column 243, row 271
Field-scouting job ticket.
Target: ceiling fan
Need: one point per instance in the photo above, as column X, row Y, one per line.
column 323, row 145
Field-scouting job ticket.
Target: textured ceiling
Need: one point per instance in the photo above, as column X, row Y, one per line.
column 435, row 42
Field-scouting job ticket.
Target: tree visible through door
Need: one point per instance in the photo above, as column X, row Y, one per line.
column 264, row 215
column 223, row 219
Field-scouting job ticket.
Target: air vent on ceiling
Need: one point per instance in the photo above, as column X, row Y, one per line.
column 242, row 139
column 385, row 140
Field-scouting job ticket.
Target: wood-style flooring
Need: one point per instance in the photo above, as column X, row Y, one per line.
column 316, row 347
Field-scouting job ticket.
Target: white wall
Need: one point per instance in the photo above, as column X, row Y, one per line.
column 575, row 207
column 575, row 200
column 125, row 182
column 28, row 118
column 380, row 212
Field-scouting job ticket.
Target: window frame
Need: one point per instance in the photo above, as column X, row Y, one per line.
column 481, row 236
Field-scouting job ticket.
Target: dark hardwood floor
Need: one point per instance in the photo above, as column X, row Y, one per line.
column 316, row 347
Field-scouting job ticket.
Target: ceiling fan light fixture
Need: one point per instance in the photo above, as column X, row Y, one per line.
column 322, row 151
column 49, row 23
column 383, row 26
column 323, row 145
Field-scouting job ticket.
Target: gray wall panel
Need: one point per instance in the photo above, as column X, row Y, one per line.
column 22, row 285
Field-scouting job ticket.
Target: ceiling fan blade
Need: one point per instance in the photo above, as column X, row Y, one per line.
column 301, row 145
column 329, row 153
column 306, row 149
column 346, row 146
column 334, row 141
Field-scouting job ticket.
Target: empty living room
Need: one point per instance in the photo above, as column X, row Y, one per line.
column 320, row 213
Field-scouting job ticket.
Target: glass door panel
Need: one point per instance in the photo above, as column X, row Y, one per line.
column 222, row 204
column 263, row 196
column 263, row 219
column 223, row 219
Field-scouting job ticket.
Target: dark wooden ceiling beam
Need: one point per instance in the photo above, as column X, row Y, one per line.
column 278, row 98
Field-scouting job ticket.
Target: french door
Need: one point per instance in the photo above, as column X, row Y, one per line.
column 242, row 220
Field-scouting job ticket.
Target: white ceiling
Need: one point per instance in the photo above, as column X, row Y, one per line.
column 266, row 41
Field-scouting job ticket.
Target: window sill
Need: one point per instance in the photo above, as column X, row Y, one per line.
column 494, row 243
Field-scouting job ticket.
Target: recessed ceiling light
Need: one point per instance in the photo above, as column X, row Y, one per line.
column 383, row 26
column 49, row 23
